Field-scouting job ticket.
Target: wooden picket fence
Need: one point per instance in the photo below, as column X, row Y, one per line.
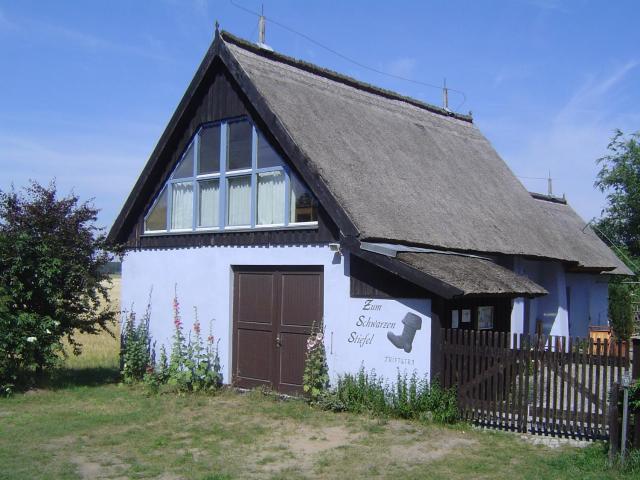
column 533, row 383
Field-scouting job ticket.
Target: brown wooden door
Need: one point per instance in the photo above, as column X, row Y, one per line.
column 273, row 311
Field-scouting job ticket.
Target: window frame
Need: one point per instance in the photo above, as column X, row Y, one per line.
column 222, row 176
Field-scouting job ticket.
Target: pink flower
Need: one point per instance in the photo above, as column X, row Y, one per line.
column 210, row 339
column 311, row 343
column 196, row 327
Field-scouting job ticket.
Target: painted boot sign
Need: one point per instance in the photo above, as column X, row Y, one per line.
column 412, row 323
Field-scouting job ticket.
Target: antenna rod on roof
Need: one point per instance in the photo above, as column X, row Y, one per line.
column 550, row 184
column 261, row 26
column 445, row 96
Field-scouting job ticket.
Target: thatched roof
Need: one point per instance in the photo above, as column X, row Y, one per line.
column 407, row 172
column 384, row 166
column 472, row 275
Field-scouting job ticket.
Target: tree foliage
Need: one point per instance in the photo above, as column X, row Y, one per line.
column 51, row 261
column 619, row 178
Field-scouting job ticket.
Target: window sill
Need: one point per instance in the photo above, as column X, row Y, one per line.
column 214, row 231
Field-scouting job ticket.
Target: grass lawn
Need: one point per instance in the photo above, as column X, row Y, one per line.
column 86, row 426
column 117, row 431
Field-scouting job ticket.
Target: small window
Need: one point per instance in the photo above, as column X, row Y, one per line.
column 455, row 318
column 208, row 201
column 267, row 156
column 185, row 167
column 270, row 198
column 239, row 151
column 239, row 201
column 304, row 206
column 157, row 218
column 209, row 155
column 485, row 318
column 182, row 206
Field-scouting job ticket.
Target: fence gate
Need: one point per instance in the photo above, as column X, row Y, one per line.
column 533, row 383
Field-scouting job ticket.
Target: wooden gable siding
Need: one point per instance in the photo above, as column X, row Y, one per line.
column 370, row 281
column 218, row 98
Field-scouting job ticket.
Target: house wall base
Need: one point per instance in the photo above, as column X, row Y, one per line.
column 358, row 331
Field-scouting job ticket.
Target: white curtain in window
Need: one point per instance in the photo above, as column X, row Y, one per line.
column 239, row 201
column 182, row 205
column 297, row 191
column 209, row 203
column 270, row 198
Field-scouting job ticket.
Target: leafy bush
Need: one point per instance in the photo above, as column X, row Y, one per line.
column 315, row 379
column 409, row 397
column 621, row 312
column 194, row 364
column 51, row 261
column 26, row 341
column 136, row 349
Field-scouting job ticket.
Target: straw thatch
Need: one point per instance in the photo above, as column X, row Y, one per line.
column 408, row 173
column 471, row 275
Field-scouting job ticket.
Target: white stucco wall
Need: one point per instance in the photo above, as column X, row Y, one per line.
column 204, row 280
column 586, row 305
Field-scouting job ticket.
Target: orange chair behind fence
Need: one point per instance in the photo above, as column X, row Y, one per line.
column 605, row 333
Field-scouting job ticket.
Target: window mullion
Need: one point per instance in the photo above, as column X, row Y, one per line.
column 169, row 204
column 196, row 193
column 222, row 186
column 287, row 197
column 254, row 177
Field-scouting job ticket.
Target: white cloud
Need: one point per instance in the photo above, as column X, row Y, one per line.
column 5, row 23
column 589, row 98
column 402, row 67
column 570, row 141
column 548, row 4
column 48, row 31
column 89, row 168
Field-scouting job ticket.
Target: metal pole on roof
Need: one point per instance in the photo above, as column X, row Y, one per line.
column 445, row 96
column 261, row 26
column 550, row 184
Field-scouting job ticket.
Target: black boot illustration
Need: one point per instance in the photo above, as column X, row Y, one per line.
column 412, row 323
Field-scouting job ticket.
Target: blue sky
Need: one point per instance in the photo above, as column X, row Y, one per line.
column 86, row 88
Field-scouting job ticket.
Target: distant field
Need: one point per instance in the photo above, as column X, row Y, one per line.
column 99, row 351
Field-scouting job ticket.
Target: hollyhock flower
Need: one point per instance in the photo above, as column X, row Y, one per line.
column 311, row 343
column 210, row 339
column 196, row 327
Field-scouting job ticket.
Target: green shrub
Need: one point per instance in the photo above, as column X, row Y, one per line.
column 27, row 342
column 408, row 397
column 315, row 379
column 52, row 280
column 136, row 349
column 194, row 365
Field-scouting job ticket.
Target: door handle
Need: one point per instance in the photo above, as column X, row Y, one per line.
column 278, row 342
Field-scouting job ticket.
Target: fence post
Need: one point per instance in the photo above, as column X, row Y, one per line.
column 614, row 425
column 635, row 376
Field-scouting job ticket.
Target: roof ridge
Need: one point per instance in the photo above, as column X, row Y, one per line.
column 338, row 77
column 548, row 198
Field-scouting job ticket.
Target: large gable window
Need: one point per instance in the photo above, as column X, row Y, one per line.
column 230, row 177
